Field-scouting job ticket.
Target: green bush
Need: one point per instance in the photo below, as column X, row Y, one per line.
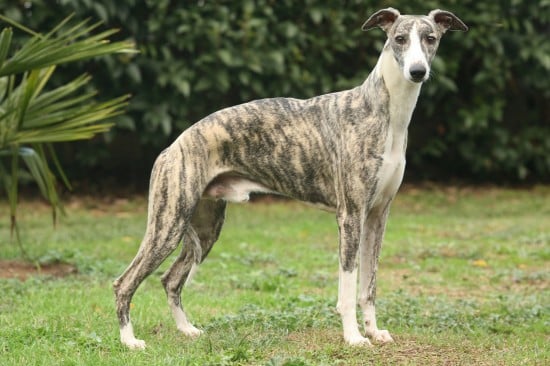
column 483, row 115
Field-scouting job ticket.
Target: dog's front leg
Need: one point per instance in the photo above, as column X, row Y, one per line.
column 369, row 255
column 350, row 226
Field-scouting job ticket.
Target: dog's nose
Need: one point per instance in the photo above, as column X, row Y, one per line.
column 418, row 72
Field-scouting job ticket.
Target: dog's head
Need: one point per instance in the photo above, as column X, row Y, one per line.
column 414, row 38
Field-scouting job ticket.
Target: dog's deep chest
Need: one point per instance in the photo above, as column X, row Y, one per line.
column 390, row 173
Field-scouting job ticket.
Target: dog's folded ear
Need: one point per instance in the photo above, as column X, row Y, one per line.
column 447, row 21
column 382, row 18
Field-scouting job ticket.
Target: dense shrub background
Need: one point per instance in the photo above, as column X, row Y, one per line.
column 484, row 115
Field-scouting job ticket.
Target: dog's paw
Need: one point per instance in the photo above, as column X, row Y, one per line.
column 137, row 344
column 191, row 331
column 382, row 336
column 128, row 339
column 358, row 341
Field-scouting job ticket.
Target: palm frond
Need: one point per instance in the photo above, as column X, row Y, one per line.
column 32, row 118
column 37, row 165
column 59, row 46
column 5, row 41
column 57, row 164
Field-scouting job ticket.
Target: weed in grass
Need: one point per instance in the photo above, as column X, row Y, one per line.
column 290, row 314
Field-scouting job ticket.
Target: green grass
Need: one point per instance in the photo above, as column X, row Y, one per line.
column 463, row 280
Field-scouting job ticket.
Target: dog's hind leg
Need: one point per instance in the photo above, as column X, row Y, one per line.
column 168, row 216
column 369, row 255
column 154, row 249
column 205, row 229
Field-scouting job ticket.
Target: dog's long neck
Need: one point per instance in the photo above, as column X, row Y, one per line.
column 403, row 93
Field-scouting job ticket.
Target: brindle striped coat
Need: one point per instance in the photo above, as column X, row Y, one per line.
column 343, row 151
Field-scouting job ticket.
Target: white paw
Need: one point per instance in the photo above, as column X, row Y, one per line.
column 134, row 343
column 190, row 331
column 128, row 339
column 357, row 340
column 382, row 336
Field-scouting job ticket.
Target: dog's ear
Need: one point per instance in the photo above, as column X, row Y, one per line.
column 446, row 20
column 382, row 18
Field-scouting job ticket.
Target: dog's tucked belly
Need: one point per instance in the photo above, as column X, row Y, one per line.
column 233, row 188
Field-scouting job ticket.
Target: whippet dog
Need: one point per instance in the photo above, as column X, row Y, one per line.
column 343, row 151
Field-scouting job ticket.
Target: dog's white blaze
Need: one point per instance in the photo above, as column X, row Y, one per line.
column 347, row 307
column 414, row 55
column 127, row 337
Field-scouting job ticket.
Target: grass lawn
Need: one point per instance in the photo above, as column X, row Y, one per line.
column 463, row 280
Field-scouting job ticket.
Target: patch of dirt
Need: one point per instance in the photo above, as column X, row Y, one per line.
column 407, row 349
column 23, row 270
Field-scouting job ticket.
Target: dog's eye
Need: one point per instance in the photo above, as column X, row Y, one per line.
column 400, row 39
column 431, row 39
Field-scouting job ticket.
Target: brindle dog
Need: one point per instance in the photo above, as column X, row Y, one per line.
column 342, row 151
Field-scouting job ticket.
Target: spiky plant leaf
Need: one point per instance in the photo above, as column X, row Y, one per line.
column 32, row 117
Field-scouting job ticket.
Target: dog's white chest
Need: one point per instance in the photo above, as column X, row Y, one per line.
column 403, row 97
column 391, row 172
